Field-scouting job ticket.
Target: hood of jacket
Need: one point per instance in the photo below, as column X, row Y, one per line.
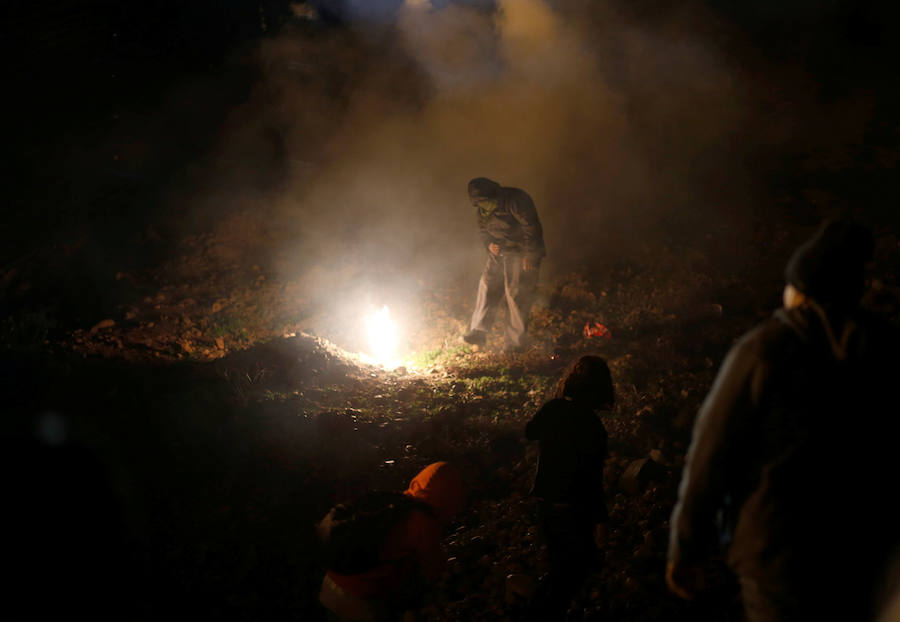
column 440, row 486
column 813, row 326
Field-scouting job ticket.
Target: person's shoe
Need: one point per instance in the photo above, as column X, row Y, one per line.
column 475, row 337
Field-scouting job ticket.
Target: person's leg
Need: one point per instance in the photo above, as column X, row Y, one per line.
column 519, row 287
column 490, row 290
column 567, row 534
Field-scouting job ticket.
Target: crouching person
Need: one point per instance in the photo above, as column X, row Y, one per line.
column 383, row 550
column 569, row 481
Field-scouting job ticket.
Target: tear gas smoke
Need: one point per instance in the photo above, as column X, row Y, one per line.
column 627, row 132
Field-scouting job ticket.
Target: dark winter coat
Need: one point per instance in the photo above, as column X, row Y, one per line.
column 513, row 225
column 573, row 446
column 792, row 457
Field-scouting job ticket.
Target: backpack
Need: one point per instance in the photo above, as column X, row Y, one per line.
column 353, row 534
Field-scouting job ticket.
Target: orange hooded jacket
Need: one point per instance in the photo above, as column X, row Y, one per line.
column 415, row 542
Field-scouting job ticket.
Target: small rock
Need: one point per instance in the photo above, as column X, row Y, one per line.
column 220, row 343
column 638, row 474
column 102, row 325
column 519, row 586
column 643, row 553
column 657, row 456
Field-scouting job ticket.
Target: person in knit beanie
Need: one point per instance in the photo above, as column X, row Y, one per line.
column 830, row 266
column 792, row 452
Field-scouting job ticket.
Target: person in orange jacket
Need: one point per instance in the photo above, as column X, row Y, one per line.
column 410, row 558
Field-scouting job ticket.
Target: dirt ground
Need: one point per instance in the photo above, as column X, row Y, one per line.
column 217, row 432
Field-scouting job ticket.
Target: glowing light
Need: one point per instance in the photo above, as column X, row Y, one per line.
column 382, row 338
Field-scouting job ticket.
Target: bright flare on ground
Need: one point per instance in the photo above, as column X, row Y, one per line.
column 382, row 338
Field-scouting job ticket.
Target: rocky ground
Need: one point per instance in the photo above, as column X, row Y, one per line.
column 179, row 409
column 220, row 431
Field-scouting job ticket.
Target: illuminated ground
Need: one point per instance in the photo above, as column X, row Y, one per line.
column 231, row 453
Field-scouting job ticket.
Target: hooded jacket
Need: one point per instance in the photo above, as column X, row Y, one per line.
column 513, row 224
column 412, row 549
column 791, row 458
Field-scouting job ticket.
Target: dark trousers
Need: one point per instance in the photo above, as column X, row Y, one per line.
column 829, row 590
column 501, row 278
column 568, row 532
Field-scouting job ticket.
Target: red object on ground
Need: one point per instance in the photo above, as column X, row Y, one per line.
column 597, row 330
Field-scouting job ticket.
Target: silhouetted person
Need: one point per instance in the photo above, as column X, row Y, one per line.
column 569, row 481
column 793, row 455
column 406, row 562
column 511, row 233
column 889, row 600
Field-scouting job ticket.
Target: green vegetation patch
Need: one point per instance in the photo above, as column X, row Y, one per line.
column 440, row 356
column 229, row 326
column 26, row 330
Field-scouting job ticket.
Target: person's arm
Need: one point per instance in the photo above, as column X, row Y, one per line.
column 714, row 460
column 534, row 429
column 523, row 210
column 486, row 238
column 596, row 462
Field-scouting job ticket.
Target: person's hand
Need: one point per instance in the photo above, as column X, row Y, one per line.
column 601, row 535
column 526, row 265
column 494, row 248
column 683, row 582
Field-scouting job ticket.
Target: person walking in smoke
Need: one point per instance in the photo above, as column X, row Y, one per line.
column 384, row 550
column 568, row 482
column 511, row 232
column 793, row 451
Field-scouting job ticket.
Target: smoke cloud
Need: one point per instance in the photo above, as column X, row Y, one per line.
column 627, row 132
